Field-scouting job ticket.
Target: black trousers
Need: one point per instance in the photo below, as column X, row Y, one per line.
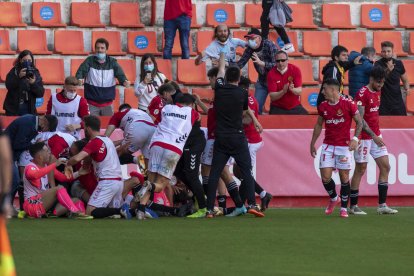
column 297, row 110
column 188, row 169
column 225, row 147
column 264, row 22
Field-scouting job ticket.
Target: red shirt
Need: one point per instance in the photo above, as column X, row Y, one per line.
column 176, row 8
column 211, row 123
column 252, row 135
column 155, row 107
column 338, row 120
column 276, row 81
column 371, row 101
column 58, row 146
column 88, row 181
column 96, row 148
column 117, row 117
column 83, row 105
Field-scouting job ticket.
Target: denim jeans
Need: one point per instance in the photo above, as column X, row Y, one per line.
column 182, row 23
column 260, row 94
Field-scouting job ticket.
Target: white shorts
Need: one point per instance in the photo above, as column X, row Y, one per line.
column 335, row 157
column 108, row 193
column 207, row 156
column 253, row 149
column 369, row 147
column 139, row 136
column 24, row 159
column 163, row 161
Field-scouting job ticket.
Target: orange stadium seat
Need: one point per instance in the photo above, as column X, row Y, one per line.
column 86, row 15
column 35, row 40
column 194, row 23
column 305, row 66
column 51, row 70
column 375, row 16
column 129, row 68
column 221, row 14
column 41, row 103
column 130, row 98
column 114, row 39
column 203, row 39
column 409, row 69
column 206, row 95
column 308, row 99
column 330, row 18
column 317, row 43
column 190, row 74
column 266, row 106
column 140, row 43
column 3, row 93
column 47, row 14
column 410, row 103
column 5, row 43
column 11, row 14
column 125, row 15
column 6, row 64
column 322, row 63
column 251, row 72
column 165, row 67
column 353, row 41
column 69, row 42
column 305, row 20
column 394, row 37
column 74, row 65
column 293, row 37
column 252, row 14
column 411, row 44
column 176, row 50
column 405, row 16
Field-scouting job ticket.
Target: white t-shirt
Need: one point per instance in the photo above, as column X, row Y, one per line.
column 213, row 50
column 146, row 92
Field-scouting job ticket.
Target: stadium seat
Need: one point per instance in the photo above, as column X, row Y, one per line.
column 69, row 42
column 308, row 99
column 375, row 16
column 322, row 63
column 165, row 67
column 252, row 14
column 140, row 43
column 190, row 74
column 411, row 44
column 117, row 100
column 251, row 72
column 293, row 36
column 41, row 103
column 5, row 43
column 221, row 14
column 3, row 93
column 240, row 35
column 206, row 95
column 317, row 43
column 409, row 101
column 125, row 15
column 176, row 51
column 6, row 64
column 194, row 24
column 266, row 106
column 35, row 40
column 51, row 70
column 305, row 66
column 330, row 18
column 130, row 98
column 114, row 39
column 74, row 65
column 47, row 14
column 394, row 37
column 129, row 67
column 86, row 15
column 409, row 69
column 353, row 41
column 11, row 14
column 305, row 20
column 405, row 16
column 203, row 39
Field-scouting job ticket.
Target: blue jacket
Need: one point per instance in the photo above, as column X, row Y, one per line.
column 21, row 132
column 359, row 74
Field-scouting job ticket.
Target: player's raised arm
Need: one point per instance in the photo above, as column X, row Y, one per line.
column 317, row 129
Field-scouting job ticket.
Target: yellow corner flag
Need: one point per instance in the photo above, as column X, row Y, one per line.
column 6, row 257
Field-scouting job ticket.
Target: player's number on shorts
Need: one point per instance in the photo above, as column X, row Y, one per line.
column 365, row 150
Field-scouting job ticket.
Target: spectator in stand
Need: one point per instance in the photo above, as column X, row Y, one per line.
column 336, row 68
column 69, row 108
column 146, row 85
column 263, row 53
column 392, row 102
column 359, row 74
column 98, row 73
column 24, row 84
column 177, row 16
column 222, row 38
column 284, row 83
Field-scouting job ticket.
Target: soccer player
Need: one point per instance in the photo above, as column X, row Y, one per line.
column 368, row 102
column 60, row 143
column 164, row 97
column 167, row 146
column 337, row 112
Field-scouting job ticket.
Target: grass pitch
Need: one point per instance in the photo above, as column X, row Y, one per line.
column 285, row 242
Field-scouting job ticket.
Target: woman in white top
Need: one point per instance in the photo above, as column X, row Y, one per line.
column 147, row 83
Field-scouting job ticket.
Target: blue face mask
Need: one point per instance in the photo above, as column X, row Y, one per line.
column 101, row 56
column 149, row 67
column 252, row 44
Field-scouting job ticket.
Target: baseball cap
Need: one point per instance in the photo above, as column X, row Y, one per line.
column 253, row 32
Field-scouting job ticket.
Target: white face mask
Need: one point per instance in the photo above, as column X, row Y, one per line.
column 70, row 95
column 252, row 44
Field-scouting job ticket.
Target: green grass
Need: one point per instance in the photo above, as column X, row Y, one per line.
column 285, row 242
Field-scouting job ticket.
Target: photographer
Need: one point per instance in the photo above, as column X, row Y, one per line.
column 24, row 84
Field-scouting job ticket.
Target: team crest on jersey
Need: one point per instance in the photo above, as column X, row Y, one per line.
column 156, row 111
column 339, row 112
column 359, row 103
column 325, row 113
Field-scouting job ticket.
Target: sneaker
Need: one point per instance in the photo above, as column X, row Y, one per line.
column 125, row 211
column 218, row 211
column 331, row 206
column 141, row 215
column 237, row 212
column 199, row 214
column 254, row 210
column 145, row 187
column 209, row 214
column 21, row 214
column 265, row 202
column 355, row 210
column 343, row 213
column 385, row 210
column 288, row 48
column 80, row 216
column 150, row 214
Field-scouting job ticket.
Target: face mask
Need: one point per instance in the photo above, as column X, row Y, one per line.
column 101, row 56
column 252, row 44
column 149, row 67
column 70, row 95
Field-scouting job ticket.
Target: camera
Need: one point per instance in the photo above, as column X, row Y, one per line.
column 29, row 68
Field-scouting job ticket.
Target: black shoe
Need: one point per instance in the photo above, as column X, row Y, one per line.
column 265, row 202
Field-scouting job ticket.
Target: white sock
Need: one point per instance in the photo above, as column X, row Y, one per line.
column 334, row 199
column 263, row 194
